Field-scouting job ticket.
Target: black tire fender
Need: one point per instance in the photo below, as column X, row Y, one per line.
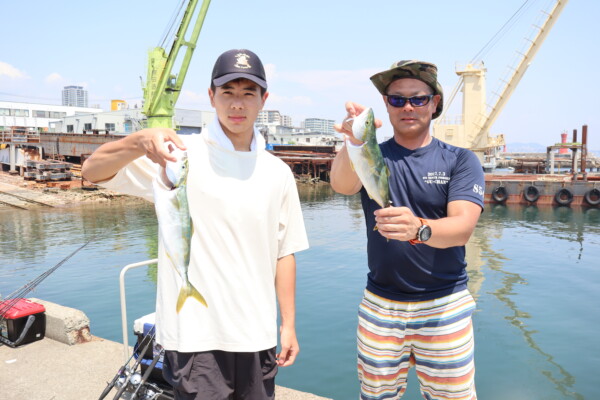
column 500, row 194
column 564, row 197
column 531, row 194
column 592, row 197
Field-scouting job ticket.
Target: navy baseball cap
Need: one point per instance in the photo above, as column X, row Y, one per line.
column 239, row 63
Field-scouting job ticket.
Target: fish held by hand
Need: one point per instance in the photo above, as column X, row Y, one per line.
column 174, row 222
column 367, row 160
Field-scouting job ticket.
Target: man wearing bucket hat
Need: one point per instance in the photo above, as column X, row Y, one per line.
column 248, row 224
column 416, row 309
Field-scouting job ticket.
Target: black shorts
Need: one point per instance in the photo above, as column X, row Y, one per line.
column 221, row 375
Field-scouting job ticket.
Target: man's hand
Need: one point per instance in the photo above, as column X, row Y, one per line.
column 109, row 158
column 352, row 110
column 289, row 347
column 397, row 223
column 152, row 143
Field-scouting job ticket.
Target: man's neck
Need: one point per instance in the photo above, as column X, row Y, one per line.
column 241, row 141
column 413, row 143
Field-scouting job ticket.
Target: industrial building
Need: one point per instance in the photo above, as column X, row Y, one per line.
column 126, row 121
column 36, row 117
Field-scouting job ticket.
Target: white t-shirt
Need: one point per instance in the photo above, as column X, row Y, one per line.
column 246, row 214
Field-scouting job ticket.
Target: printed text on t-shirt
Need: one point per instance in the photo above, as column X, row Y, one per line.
column 438, row 178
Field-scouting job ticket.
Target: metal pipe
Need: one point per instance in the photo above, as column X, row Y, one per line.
column 124, row 301
column 584, row 152
column 574, row 156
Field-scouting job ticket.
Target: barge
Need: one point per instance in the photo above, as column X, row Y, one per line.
column 543, row 189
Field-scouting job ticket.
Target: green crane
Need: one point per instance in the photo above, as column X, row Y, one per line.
column 162, row 85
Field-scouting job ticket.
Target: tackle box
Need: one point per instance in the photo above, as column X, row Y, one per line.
column 14, row 319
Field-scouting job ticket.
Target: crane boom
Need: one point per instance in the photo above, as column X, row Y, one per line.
column 521, row 68
column 162, row 86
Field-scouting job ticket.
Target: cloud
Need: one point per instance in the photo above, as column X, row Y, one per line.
column 11, row 72
column 271, row 72
column 193, row 100
column 53, row 78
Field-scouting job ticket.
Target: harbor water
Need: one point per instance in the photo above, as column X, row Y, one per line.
column 534, row 272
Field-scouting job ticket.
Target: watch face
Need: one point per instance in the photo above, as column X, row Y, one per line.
column 424, row 233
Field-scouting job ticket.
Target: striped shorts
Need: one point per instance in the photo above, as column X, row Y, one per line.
column 435, row 336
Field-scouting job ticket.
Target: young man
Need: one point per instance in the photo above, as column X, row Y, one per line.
column 247, row 225
column 416, row 310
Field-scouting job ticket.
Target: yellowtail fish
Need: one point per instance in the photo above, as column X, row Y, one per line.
column 175, row 224
column 367, row 160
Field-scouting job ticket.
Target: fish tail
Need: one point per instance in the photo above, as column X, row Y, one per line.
column 188, row 290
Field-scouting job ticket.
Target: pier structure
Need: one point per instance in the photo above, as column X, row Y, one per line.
column 309, row 163
column 535, row 179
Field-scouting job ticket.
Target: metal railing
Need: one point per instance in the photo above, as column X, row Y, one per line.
column 124, row 301
column 19, row 137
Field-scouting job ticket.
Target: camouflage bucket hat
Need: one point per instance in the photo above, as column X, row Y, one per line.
column 420, row 70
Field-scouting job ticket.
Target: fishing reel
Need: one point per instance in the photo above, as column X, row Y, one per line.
column 132, row 387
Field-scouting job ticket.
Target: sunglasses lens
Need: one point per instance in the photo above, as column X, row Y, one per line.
column 397, row 101
column 419, row 101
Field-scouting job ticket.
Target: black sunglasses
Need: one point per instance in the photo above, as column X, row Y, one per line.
column 415, row 101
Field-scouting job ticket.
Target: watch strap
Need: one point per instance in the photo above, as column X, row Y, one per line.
column 416, row 240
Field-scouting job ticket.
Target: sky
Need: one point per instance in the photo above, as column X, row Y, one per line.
column 318, row 54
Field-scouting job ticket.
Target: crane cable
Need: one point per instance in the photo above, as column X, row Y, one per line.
column 173, row 25
column 502, row 31
column 486, row 49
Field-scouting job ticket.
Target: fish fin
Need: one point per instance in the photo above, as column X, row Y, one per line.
column 196, row 295
column 188, row 290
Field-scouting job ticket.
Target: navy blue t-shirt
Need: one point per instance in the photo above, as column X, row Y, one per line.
column 424, row 180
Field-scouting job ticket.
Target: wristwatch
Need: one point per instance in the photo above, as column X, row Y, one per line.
column 423, row 234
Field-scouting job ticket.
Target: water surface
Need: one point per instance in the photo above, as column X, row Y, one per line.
column 534, row 274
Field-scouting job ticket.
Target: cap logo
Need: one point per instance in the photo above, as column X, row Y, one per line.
column 241, row 61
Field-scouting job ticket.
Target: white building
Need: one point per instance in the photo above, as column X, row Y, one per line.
column 273, row 117
column 286, row 120
column 128, row 121
column 36, row 117
column 305, row 139
column 319, row 125
column 74, row 96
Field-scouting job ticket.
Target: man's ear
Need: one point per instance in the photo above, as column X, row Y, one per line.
column 436, row 101
column 264, row 98
column 211, row 95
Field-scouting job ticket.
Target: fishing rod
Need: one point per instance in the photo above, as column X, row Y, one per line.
column 147, row 373
column 12, row 299
column 124, row 371
column 135, row 365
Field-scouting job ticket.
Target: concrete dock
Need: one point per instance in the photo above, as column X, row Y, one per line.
column 50, row 370
column 71, row 364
